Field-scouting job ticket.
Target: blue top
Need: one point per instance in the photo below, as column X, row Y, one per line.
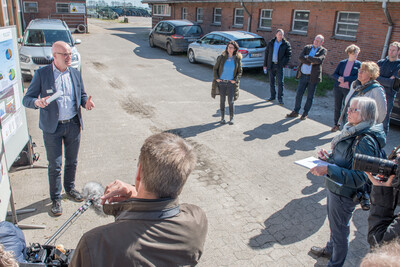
column 276, row 49
column 229, row 68
column 66, row 102
column 306, row 69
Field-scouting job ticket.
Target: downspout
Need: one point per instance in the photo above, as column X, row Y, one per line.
column 248, row 15
column 390, row 28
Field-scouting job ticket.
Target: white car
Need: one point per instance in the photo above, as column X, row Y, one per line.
column 35, row 49
column 209, row 47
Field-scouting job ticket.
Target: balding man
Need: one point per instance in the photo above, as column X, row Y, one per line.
column 310, row 74
column 60, row 120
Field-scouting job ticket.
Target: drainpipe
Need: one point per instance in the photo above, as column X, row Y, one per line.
column 390, row 28
column 248, row 14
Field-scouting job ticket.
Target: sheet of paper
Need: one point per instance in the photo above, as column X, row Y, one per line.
column 311, row 162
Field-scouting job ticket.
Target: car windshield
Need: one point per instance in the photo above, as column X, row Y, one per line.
column 252, row 43
column 46, row 37
column 189, row 30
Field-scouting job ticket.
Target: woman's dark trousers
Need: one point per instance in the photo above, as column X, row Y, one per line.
column 340, row 94
column 226, row 89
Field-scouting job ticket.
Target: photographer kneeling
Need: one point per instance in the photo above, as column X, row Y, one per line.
column 383, row 224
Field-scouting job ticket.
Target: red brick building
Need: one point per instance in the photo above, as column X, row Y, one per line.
column 366, row 23
column 73, row 12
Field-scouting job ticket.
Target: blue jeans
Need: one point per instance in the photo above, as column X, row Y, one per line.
column 278, row 72
column 70, row 134
column 390, row 96
column 340, row 210
column 340, row 94
column 304, row 83
column 226, row 88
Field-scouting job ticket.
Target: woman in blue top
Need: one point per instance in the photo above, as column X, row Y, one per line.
column 346, row 73
column 227, row 73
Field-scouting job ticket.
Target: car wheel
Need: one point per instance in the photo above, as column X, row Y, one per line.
column 169, row 49
column 191, row 56
column 151, row 42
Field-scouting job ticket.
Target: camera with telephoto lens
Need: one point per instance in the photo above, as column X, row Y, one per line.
column 378, row 166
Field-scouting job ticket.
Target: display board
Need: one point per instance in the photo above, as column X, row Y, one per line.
column 12, row 112
column 5, row 191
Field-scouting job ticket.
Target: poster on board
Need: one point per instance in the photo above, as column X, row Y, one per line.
column 12, row 112
column 5, row 190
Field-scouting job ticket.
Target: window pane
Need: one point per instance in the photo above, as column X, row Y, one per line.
column 239, row 21
column 300, row 26
column 251, row 43
column 217, row 19
column 31, row 7
column 346, row 29
column 349, row 17
column 62, row 8
column 239, row 12
column 218, row 11
column 266, row 23
column 303, row 15
column 266, row 13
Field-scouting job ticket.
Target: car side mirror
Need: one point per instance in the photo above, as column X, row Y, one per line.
column 78, row 41
column 198, row 41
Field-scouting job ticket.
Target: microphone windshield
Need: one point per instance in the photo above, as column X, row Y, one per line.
column 92, row 191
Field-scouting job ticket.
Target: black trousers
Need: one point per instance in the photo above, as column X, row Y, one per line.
column 226, row 89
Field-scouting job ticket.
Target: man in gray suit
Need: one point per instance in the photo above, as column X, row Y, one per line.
column 60, row 120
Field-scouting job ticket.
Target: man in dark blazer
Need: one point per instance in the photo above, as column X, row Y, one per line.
column 60, row 119
column 310, row 74
column 277, row 56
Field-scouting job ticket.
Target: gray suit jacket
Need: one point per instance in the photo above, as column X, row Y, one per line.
column 43, row 85
column 317, row 60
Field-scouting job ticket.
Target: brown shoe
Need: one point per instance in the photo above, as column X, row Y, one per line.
column 303, row 117
column 335, row 128
column 293, row 114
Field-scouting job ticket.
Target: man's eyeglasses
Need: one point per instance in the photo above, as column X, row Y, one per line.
column 65, row 54
column 352, row 110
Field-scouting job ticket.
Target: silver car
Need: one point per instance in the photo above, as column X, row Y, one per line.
column 35, row 49
column 207, row 49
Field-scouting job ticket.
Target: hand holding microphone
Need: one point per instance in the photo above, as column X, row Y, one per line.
column 118, row 191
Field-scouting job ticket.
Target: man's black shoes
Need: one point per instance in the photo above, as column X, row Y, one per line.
column 75, row 195
column 320, row 252
column 56, row 208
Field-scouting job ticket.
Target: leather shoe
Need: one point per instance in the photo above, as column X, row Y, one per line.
column 303, row 117
column 335, row 128
column 281, row 103
column 222, row 121
column 231, row 122
column 75, row 195
column 270, row 99
column 293, row 114
column 320, row 252
column 56, row 208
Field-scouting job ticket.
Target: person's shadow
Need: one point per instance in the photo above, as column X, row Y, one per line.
column 266, row 131
column 241, row 109
column 194, row 130
column 298, row 220
column 307, row 143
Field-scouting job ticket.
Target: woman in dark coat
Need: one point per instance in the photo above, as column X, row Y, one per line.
column 360, row 135
column 227, row 73
column 346, row 73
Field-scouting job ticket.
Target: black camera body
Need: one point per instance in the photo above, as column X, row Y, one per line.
column 384, row 167
column 46, row 256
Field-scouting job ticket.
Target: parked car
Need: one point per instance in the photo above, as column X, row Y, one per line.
column 208, row 48
column 395, row 115
column 35, row 49
column 174, row 35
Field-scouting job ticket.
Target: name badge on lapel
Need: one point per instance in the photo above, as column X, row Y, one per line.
column 49, row 91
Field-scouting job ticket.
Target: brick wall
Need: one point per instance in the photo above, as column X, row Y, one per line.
column 371, row 31
column 47, row 9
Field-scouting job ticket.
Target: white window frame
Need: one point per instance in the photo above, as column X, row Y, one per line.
column 236, row 16
column 215, row 15
column 162, row 10
column 184, row 13
column 346, row 23
column 199, row 14
column 30, row 2
column 294, row 20
column 66, row 6
column 265, row 18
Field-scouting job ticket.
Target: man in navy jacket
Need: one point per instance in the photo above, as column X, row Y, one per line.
column 60, row 120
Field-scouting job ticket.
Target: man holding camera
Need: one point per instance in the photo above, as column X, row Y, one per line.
column 383, row 224
column 389, row 78
column 151, row 227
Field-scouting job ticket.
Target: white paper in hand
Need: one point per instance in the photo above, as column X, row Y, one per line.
column 54, row 97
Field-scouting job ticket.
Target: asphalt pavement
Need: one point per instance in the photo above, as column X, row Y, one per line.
column 263, row 209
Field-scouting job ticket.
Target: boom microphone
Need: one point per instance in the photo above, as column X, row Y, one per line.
column 92, row 192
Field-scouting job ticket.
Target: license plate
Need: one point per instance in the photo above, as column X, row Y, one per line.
column 191, row 40
column 256, row 55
